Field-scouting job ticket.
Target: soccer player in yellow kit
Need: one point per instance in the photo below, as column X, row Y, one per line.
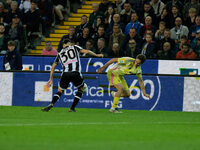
column 115, row 75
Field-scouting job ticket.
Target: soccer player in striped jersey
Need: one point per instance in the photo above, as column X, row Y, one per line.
column 69, row 58
column 115, row 75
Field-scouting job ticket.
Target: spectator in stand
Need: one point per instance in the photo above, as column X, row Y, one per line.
column 131, row 50
column 148, row 25
column 59, row 6
column 13, row 58
column 194, row 28
column 132, row 35
column 138, row 5
column 195, row 44
column 164, row 17
column 103, row 7
column 71, row 36
column 151, row 32
column 3, row 11
column 79, row 28
column 191, row 4
column 166, row 38
column 173, row 15
column 178, row 30
column 14, row 11
column 116, row 37
column 2, row 20
column 81, row 40
column 190, row 19
column 90, row 45
column 32, row 19
column 3, row 39
column 167, row 52
column 15, row 32
column 148, row 47
column 186, row 53
column 25, row 6
column 133, row 23
column 183, row 40
column 116, row 20
column 114, row 51
column 101, row 47
column 147, row 11
column 7, row 5
column 93, row 16
column 46, row 11
column 159, row 35
column 119, row 5
column 171, row 3
column 126, row 13
column 49, row 50
column 158, row 6
column 100, row 22
column 100, row 34
column 109, row 15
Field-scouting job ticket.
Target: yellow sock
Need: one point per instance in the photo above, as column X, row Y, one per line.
column 115, row 102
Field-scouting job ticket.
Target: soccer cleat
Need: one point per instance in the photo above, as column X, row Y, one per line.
column 46, row 109
column 85, row 88
column 71, row 110
column 115, row 110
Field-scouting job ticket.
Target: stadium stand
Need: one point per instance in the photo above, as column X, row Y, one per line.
column 61, row 30
column 137, row 18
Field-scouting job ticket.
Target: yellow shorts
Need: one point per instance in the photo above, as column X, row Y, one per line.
column 115, row 79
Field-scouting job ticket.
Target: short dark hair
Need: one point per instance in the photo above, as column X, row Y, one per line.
column 65, row 41
column 35, row 1
column 141, row 57
column 11, row 43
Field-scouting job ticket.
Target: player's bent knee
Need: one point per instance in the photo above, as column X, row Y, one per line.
column 127, row 94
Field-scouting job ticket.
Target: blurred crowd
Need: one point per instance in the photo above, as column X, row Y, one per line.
column 160, row 29
column 24, row 20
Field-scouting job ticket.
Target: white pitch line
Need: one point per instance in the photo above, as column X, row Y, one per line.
column 95, row 123
column 65, row 124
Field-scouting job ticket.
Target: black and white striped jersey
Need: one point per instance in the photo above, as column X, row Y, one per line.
column 69, row 58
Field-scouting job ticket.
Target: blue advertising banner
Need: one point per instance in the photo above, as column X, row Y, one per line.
column 1, row 62
column 166, row 92
column 35, row 63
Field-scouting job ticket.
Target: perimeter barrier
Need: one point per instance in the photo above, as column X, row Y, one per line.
column 170, row 93
column 177, row 92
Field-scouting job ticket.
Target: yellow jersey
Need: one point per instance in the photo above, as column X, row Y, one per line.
column 125, row 65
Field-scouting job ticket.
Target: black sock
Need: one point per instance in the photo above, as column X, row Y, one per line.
column 76, row 99
column 56, row 97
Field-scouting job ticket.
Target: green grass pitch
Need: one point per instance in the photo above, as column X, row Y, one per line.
column 28, row 128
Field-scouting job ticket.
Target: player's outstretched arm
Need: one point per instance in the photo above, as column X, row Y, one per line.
column 141, row 83
column 49, row 83
column 100, row 70
column 91, row 53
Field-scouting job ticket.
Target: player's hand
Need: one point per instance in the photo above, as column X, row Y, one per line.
column 100, row 70
column 147, row 95
column 49, row 83
column 100, row 55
